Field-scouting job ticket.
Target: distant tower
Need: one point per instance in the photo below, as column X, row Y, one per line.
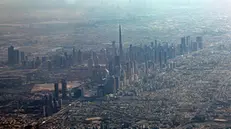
column 156, row 52
column 188, row 43
column 199, row 41
column 74, row 55
column 183, row 45
column 117, row 83
column 117, row 66
column 56, row 91
column 17, row 56
column 195, row 46
column 80, row 57
column 11, row 55
column 22, row 56
column 165, row 57
column 121, row 54
column 110, row 67
column 160, row 58
column 135, row 67
column 64, row 89
column 90, row 66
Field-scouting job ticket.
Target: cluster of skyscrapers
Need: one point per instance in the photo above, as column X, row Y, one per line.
column 53, row 102
column 187, row 45
column 15, row 56
column 114, row 66
column 125, row 65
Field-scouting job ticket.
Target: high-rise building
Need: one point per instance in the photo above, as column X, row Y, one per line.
column 16, row 56
column 55, row 105
column 117, row 71
column 199, row 41
column 188, row 43
column 110, row 67
column 22, row 56
column 64, row 89
column 117, row 61
column 11, row 55
column 109, row 85
column 95, row 59
column 128, row 70
column 195, row 46
column 50, row 105
column 117, row 65
column 160, row 59
column 135, row 67
column 183, row 45
column 90, row 66
column 146, row 64
column 56, row 91
column 117, row 83
column 165, row 57
column 74, row 55
column 121, row 53
column 80, row 57
column 173, row 51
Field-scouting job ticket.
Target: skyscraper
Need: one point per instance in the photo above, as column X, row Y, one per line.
column 188, row 43
column 11, row 55
column 121, row 54
column 146, row 63
column 109, row 85
column 90, row 66
column 16, row 56
column 199, row 41
column 160, row 58
column 110, row 67
column 165, row 57
column 117, row 61
column 156, row 52
column 183, row 45
column 74, row 55
column 117, row 67
column 64, row 89
column 80, row 57
column 22, row 56
column 117, row 83
column 56, row 91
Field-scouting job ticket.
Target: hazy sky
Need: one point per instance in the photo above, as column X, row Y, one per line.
column 110, row 3
column 104, row 8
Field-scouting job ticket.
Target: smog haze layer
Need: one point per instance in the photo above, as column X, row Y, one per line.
column 75, row 22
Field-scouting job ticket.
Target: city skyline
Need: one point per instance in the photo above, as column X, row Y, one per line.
column 121, row 64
